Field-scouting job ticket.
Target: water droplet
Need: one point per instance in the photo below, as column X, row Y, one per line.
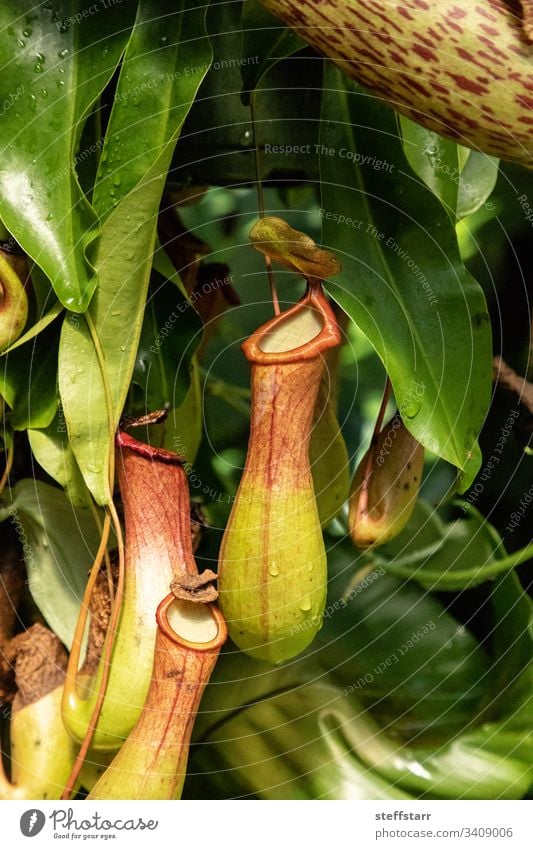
column 26, row 32
column 105, row 52
column 61, row 70
column 115, row 312
column 21, row 43
column 305, row 604
column 60, row 83
column 246, row 138
column 117, row 180
column 104, row 156
column 44, row 92
column 63, row 53
column 310, row 567
column 33, row 102
column 38, row 68
column 112, row 192
column 412, row 408
column 40, row 58
column 134, row 100
column 163, row 40
column 49, row 216
column 273, row 570
column 122, row 347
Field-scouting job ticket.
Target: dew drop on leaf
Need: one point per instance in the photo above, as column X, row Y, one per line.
column 246, row 138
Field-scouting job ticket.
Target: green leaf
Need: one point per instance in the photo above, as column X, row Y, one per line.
column 184, row 425
column 314, row 742
column 395, row 647
column 512, row 736
column 511, row 642
column 458, row 771
column 52, row 450
column 128, row 236
column 28, row 381
column 467, row 552
column 435, row 160
column 293, row 745
column 38, row 327
column 265, row 41
column 478, row 179
column 461, row 178
column 403, row 281
column 59, row 543
column 170, row 333
column 424, row 535
column 56, row 62
column 166, row 59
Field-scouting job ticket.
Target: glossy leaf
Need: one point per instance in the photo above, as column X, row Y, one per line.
column 184, row 426
column 28, row 381
column 55, row 64
column 59, row 544
column 52, row 450
column 393, row 646
column 166, row 59
column 38, row 327
column 315, row 742
column 128, row 235
column 511, row 641
column 470, row 552
column 461, row 178
column 171, row 331
column 293, row 746
column 423, row 536
column 403, row 281
column 478, row 179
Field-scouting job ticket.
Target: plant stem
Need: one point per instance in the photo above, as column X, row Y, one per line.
column 10, row 456
column 261, row 205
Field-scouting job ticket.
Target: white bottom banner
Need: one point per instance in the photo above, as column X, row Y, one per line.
column 258, row 825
